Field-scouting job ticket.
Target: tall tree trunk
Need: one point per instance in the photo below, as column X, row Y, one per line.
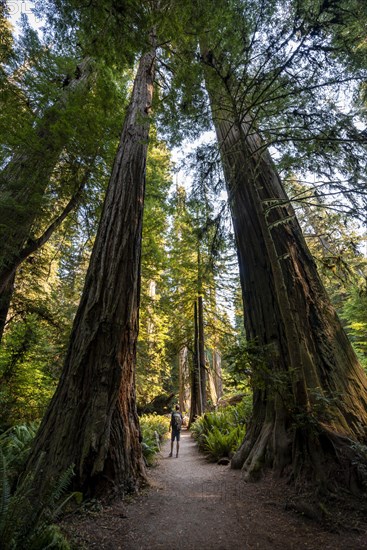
column 312, row 404
column 211, row 386
column 201, row 353
column 196, row 404
column 92, row 420
column 215, row 377
column 23, row 184
column 184, row 380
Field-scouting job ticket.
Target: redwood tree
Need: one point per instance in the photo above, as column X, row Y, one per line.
column 310, row 398
column 92, row 421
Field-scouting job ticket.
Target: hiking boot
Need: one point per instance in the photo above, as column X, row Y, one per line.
column 170, row 454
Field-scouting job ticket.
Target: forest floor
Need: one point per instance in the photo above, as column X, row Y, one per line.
column 192, row 504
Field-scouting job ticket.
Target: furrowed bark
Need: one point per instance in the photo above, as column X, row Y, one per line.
column 196, row 403
column 92, row 420
column 310, row 399
column 184, row 379
column 201, row 353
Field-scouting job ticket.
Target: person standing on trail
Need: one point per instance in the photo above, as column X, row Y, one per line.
column 175, row 426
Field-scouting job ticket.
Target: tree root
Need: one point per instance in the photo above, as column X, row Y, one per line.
column 311, row 456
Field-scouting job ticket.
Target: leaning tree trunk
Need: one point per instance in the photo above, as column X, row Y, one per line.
column 8, row 275
column 23, row 185
column 310, row 398
column 92, row 420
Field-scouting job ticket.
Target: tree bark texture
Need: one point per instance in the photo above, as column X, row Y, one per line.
column 201, row 353
column 23, row 184
column 196, row 404
column 184, row 379
column 215, row 377
column 310, row 399
column 92, row 420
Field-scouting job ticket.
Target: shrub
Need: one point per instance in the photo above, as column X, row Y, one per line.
column 153, row 429
column 26, row 523
column 220, row 433
column 219, row 444
column 15, row 445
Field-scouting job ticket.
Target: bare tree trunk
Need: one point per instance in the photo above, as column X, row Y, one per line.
column 184, row 380
column 211, row 386
column 312, row 404
column 92, row 420
column 201, row 353
column 196, row 404
column 215, row 377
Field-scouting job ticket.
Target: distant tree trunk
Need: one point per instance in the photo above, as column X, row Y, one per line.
column 213, row 397
column 196, row 404
column 23, row 184
column 92, row 420
column 215, row 377
column 310, row 404
column 201, row 353
column 184, row 380
column 217, row 364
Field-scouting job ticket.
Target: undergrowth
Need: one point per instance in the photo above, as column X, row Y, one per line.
column 220, row 433
column 25, row 522
column 153, row 428
column 15, row 445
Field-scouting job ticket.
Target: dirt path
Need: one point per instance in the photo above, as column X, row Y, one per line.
column 193, row 504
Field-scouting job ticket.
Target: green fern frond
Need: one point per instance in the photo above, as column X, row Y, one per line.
column 15, row 444
column 49, row 538
column 62, row 485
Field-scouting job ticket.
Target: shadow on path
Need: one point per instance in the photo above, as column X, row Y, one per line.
column 193, row 504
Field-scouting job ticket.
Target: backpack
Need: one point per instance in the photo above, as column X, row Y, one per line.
column 176, row 421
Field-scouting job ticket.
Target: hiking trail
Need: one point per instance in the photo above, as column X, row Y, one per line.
column 193, row 504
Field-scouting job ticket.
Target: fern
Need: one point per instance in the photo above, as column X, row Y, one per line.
column 16, row 443
column 27, row 522
column 216, row 444
column 220, row 433
column 50, row 538
column 62, row 485
column 219, row 444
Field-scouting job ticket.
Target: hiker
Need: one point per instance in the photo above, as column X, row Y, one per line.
column 175, row 425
